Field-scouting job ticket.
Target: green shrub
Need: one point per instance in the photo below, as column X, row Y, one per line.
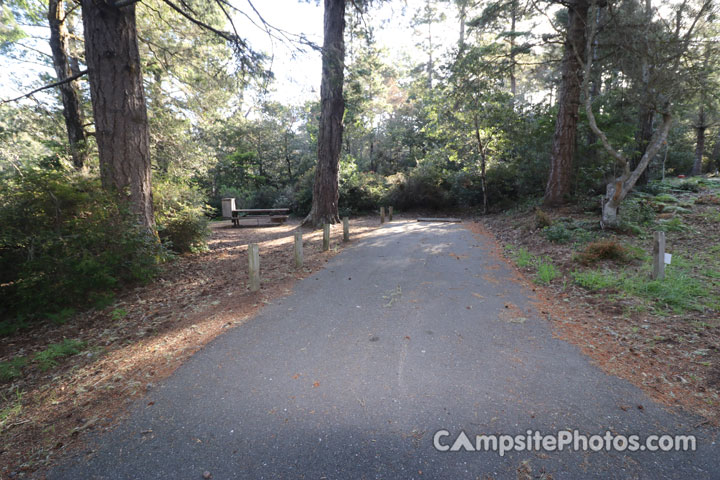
column 672, row 225
column 689, row 186
column 47, row 359
column 65, row 242
column 637, row 210
column 185, row 232
column 182, row 217
column 523, row 258
column 666, row 198
column 12, row 369
column 557, row 233
column 546, row 271
column 542, row 219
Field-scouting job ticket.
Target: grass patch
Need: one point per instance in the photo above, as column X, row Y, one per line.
column 594, row 279
column 523, row 258
column 546, row 271
column 47, row 359
column 13, row 409
column 12, row 369
column 678, row 291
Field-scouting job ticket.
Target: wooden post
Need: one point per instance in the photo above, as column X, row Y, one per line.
column 298, row 250
column 658, row 272
column 389, row 214
column 254, row 266
column 382, row 214
column 326, row 237
column 346, row 229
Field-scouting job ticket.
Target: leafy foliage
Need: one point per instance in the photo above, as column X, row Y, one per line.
column 66, row 241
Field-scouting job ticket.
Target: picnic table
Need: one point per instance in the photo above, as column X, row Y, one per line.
column 259, row 216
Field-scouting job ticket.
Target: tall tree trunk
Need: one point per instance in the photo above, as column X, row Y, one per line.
column 595, row 85
column 325, row 190
column 430, row 46
column 483, row 163
column 715, row 155
column 60, row 47
column 513, row 20
column 646, row 118
column 700, row 142
column 118, row 99
column 463, row 18
column 563, row 149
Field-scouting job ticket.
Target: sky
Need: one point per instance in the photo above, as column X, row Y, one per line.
column 297, row 74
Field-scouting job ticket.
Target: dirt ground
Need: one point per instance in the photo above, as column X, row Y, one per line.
column 143, row 337
column 673, row 356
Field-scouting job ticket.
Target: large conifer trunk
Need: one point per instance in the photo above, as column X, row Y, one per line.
column 563, row 149
column 325, row 191
column 60, row 46
column 116, row 88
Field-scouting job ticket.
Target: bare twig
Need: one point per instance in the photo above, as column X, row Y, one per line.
column 52, row 85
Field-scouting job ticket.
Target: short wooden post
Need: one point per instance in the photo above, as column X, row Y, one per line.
column 389, row 214
column 346, row 229
column 298, row 250
column 254, row 266
column 326, row 237
column 658, row 272
column 382, row 214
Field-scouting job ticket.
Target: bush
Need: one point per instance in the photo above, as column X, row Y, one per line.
column 603, row 250
column 557, row 233
column 185, row 232
column 182, row 217
column 689, row 186
column 360, row 192
column 542, row 219
column 65, row 241
column 424, row 186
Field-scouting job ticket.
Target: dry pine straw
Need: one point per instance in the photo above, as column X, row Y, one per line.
column 655, row 369
column 144, row 336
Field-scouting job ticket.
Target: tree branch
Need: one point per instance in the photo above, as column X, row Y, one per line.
column 56, row 84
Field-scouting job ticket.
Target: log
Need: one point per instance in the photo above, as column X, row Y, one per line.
column 254, row 266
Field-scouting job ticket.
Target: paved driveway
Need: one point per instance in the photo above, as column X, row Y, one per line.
column 401, row 335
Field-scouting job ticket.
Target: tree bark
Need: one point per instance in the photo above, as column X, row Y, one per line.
column 325, row 190
column 564, row 140
column 513, row 19
column 483, row 163
column 118, row 99
column 646, row 118
column 700, row 143
column 621, row 186
column 69, row 91
column 715, row 155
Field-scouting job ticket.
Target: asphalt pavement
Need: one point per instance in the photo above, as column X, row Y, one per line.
column 415, row 330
